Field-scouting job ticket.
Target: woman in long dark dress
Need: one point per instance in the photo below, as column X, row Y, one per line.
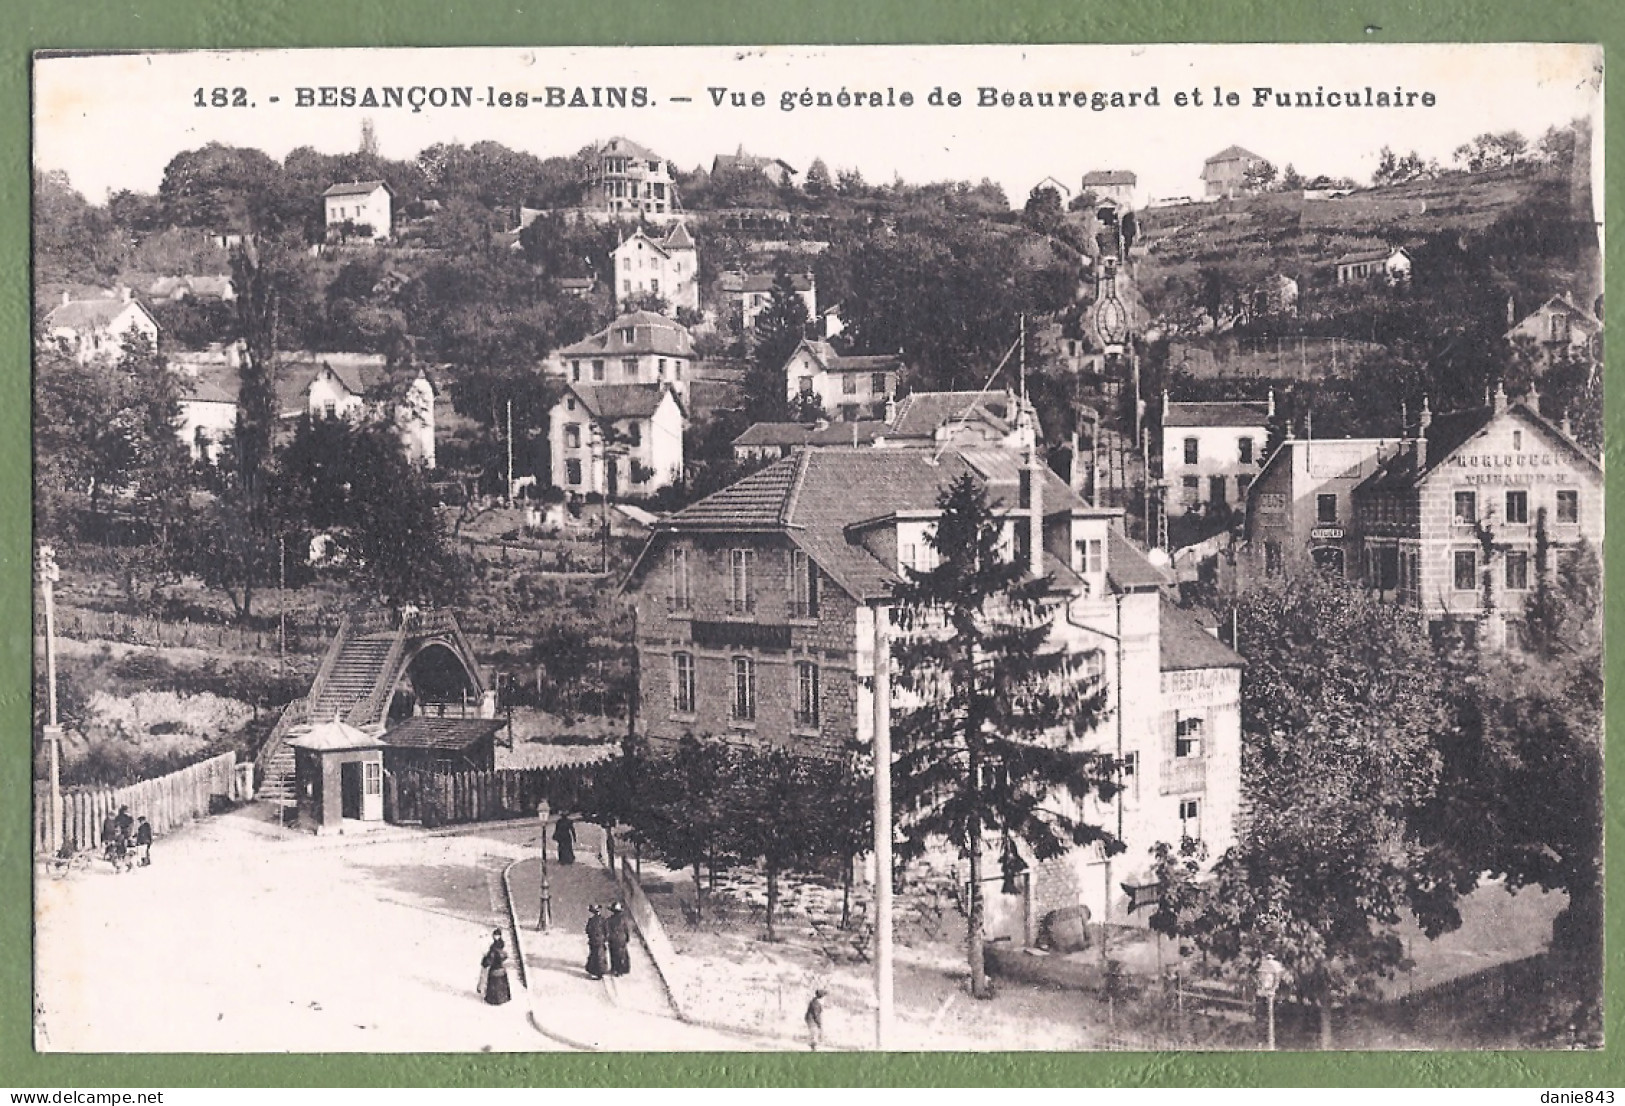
column 597, row 937
column 496, row 971
column 565, row 834
column 619, row 936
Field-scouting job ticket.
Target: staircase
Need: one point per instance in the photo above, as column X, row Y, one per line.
column 361, row 658
column 354, row 677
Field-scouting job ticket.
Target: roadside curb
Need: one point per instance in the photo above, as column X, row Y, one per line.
column 524, row 971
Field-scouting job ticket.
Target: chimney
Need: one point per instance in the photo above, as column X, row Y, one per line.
column 124, row 292
column 891, row 410
column 1165, row 407
column 1499, row 400
column 1566, row 426
column 1423, row 421
column 1269, row 410
column 67, row 297
column 1531, row 398
column 1035, row 521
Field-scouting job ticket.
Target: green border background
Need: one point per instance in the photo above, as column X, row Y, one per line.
column 148, row 24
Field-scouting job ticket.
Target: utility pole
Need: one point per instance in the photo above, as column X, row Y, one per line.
column 510, row 453
column 883, row 830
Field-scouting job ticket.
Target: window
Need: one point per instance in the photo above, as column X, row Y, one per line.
column 1517, row 507
column 1326, row 507
column 575, row 372
column 1243, row 483
column 598, row 370
column 654, row 285
column 1091, row 556
column 634, row 433
column 329, row 409
column 1190, row 491
column 1466, row 508
column 849, row 384
column 1517, row 440
column 682, row 683
column 1466, row 562
column 1244, row 448
column 1517, row 570
column 739, row 586
column 744, row 699
column 626, row 333
column 572, row 436
column 804, row 384
column 806, row 694
column 373, row 777
column 1190, row 818
column 1568, row 506
column 1274, row 564
column 572, row 471
column 1128, row 771
column 1188, row 737
column 803, row 585
column 626, row 285
column 629, row 367
column 1191, row 451
column 1216, row 491
column 661, row 364
column 682, row 599
column 877, row 383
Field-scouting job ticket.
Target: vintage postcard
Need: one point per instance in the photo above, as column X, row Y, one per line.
column 1055, row 548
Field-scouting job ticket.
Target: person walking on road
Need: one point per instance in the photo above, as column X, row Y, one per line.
column 494, row 968
column 125, row 826
column 110, row 840
column 565, row 834
column 815, row 1019
column 597, row 937
column 620, row 938
column 143, row 840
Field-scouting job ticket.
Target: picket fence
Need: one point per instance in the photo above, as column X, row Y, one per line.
column 443, row 798
column 166, row 801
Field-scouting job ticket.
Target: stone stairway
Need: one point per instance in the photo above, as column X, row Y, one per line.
column 354, row 676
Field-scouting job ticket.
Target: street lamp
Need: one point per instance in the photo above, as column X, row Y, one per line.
column 544, row 919
column 1270, row 971
column 49, row 574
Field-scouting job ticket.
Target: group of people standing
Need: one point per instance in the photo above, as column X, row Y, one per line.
column 123, row 837
column 611, row 934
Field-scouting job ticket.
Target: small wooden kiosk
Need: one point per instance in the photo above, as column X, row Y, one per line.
column 339, row 771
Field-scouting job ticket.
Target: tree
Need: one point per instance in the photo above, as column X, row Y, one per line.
column 1342, row 703
column 989, row 742
column 1043, row 211
column 818, row 184
column 1491, row 151
column 778, row 811
column 1291, row 179
column 779, row 330
column 683, row 814
column 1258, row 176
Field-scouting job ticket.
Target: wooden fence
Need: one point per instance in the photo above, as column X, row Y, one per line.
column 442, row 798
column 165, row 801
column 87, row 625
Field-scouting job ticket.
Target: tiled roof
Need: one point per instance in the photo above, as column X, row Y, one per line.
column 825, row 355
column 625, row 147
column 356, row 188
column 1127, row 567
column 1233, row 153
column 1367, row 255
column 1585, row 319
column 212, row 385
column 88, row 314
column 1184, row 644
column 678, row 238
column 620, row 401
column 358, row 372
column 450, row 734
column 763, row 282
column 747, row 161
column 651, row 333
column 1215, row 414
column 920, row 414
column 1109, row 177
column 759, row 501
column 812, row 434
column 1449, row 432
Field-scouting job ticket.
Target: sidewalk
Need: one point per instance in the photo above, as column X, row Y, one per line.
column 631, row 1013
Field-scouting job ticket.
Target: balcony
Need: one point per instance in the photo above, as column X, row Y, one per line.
column 679, row 604
column 801, row 609
column 742, row 608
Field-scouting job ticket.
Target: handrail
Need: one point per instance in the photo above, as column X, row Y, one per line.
column 296, row 713
column 366, row 713
column 330, row 660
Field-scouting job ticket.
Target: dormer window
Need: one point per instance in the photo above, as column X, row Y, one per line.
column 1091, row 556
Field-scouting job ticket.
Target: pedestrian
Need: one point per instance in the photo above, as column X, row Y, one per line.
column 597, row 936
column 619, row 937
column 125, row 826
column 110, row 840
column 815, row 1020
column 143, row 839
column 565, row 835
column 494, row 971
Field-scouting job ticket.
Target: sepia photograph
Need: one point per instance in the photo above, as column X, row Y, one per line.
column 818, row 549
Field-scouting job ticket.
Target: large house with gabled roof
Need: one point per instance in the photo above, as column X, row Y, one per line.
column 96, row 329
column 668, row 267
column 359, row 209
column 639, row 347
column 616, row 439
column 756, row 612
column 630, row 181
column 1212, row 451
column 1225, row 173
column 847, row 386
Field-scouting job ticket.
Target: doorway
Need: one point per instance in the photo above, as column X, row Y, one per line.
column 350, row 789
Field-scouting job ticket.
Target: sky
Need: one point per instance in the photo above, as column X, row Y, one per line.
column 114, row 121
